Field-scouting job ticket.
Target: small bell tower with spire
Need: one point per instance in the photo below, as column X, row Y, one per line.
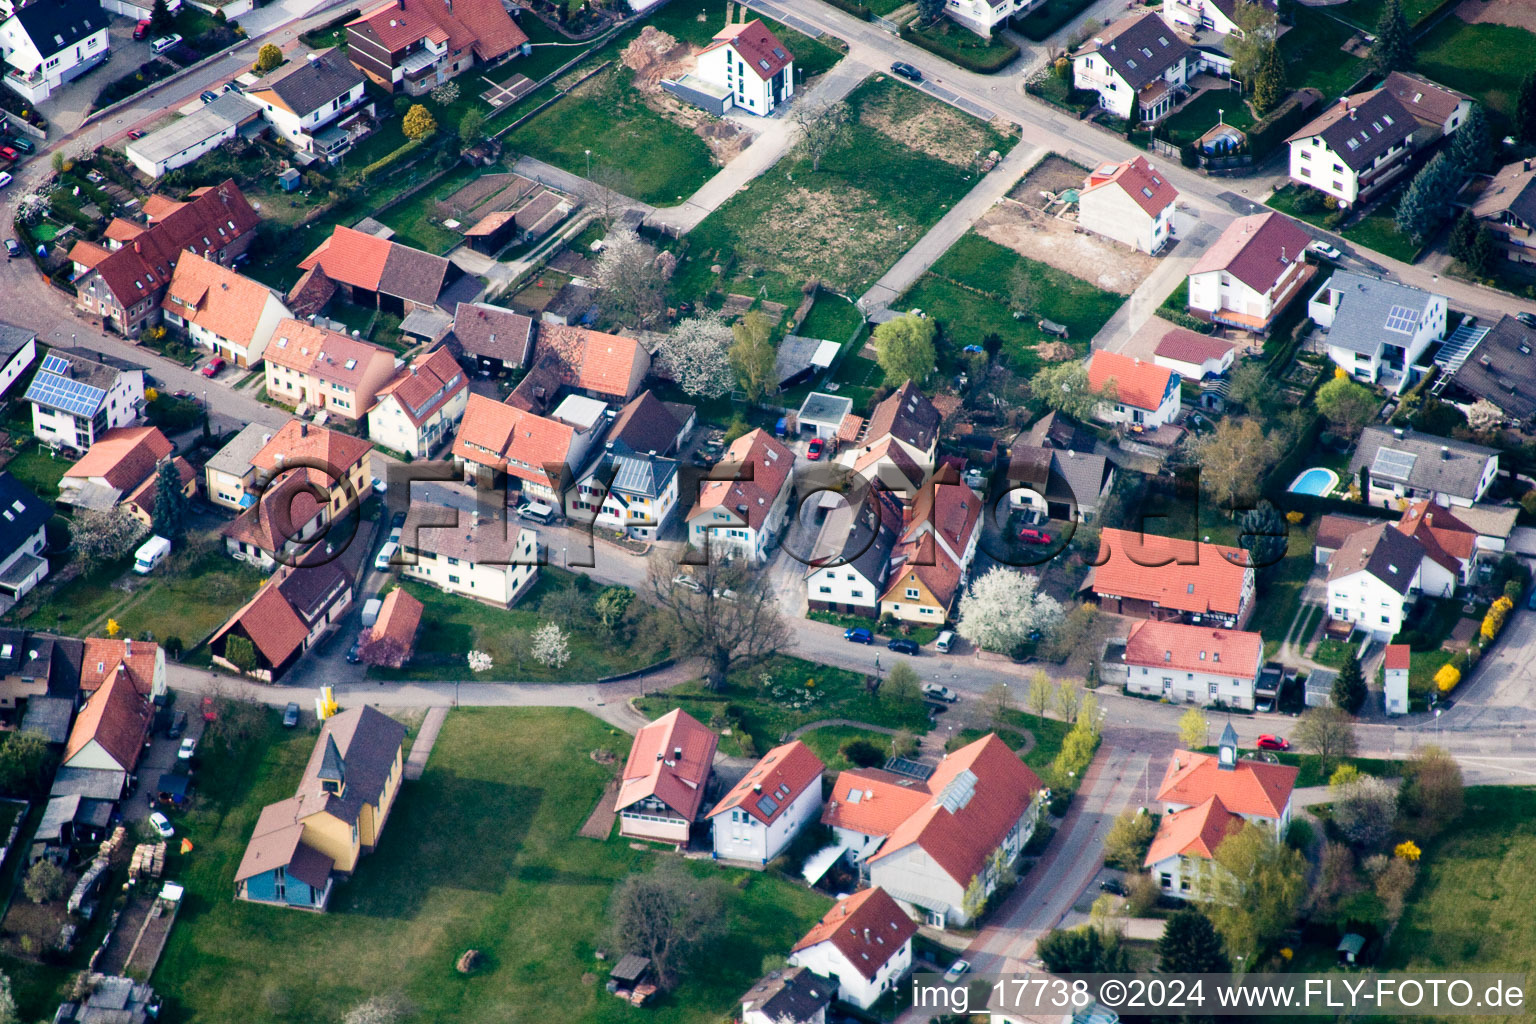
column 1226, row 753
column 333, row 769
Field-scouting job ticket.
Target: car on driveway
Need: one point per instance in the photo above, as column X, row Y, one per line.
column 937, row 691
column 291, row 715
column 161, row 824
column 1030, row 535
column 859, row 635
column 902, row 645
column 1113, row 886
column 814, row 449
column 214, row 366
column 355, row 652
column 906, row 71
column 1268, row 742
column 141, row 30
column 687, row 583
column 956, row 969
column 1322, row 249
column 208, row 96
column 12, row 248
column 1529, row 319
column 10, row 153
column 187, row 749
column 22, row 143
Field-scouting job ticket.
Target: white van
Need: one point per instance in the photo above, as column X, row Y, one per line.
column 945, row 640
column 386, row 552
column 536, row 511
column 150, row 554
column 371, row 609
column 165, row 43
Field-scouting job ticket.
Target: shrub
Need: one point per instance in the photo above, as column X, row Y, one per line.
column 863, row 753
column 1447, row 678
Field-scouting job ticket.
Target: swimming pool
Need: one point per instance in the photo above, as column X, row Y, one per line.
column 1317, row 481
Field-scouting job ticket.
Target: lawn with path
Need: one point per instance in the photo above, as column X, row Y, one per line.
column 482, row 853
column 1314, row 55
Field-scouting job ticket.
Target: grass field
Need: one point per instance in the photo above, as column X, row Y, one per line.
column 905, row 161
column 832, row 318
column 1367, row 13
column 954, row 42
column 1485, row 61
column 481, row 853
column 827, row 743
column 964, row 292
column 452, row 626
column 1201, row 114
column 38, row 470
column 190, row 600
column 1313, row 53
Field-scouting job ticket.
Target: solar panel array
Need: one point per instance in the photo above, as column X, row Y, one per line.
column 57, row 392
column 1403, row 319
column 1391, row 464
column 767, row 805
column 912, row 769
column 55, row 364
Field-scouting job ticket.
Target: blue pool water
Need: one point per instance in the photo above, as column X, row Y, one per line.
column 1316, row 481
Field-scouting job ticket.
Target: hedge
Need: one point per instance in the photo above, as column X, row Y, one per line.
column 1276, row 126
column 316, row 35
column 993, row 60
column 852, row 7
column 1046, row 19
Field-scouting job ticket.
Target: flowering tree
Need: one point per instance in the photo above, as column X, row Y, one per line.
column 33, row 207
column 103, row 535
column 698, row 355
column 446, row 95
column 479, row 661
column 1447, row 678
column 551, row 646
column 1005, row 609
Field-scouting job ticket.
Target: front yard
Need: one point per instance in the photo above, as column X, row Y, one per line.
column 1204, row 112
column 481, row 853
column 1377, row 230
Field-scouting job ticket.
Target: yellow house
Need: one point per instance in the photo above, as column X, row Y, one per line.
column 922, row 585
column 302, row 845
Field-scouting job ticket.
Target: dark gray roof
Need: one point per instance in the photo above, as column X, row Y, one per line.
column 50, row 716
column 368, row 740
column 1502, row 368
column 1140, row 51
column 824, row 408
column 793, row 996
column 1077, row 477
column 97, row 783
column 1058, row 430
column 795, row 357
column 55, row 25
column 311, row 589
column 1373, row 313
column 626, row 471
column 308, row 85
column 12, row 341
column 21, row 513
column 907, row 415
column 235, row 457
column 1384, row 551
column 1424, row 462
column 646, row 424
column 1360, row 128
column 866, row 541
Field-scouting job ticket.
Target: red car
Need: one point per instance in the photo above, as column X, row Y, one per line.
column 1268, row 742
column 1030, row 535
column 209, row 713
column 214, row 366
column 7, row 153
column 814, row 449
column 141, row 30
column 135, row 135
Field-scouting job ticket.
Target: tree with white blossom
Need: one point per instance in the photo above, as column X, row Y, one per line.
column 698, row 355
column 33, row 207
column 1005, row 609
column 551, row 646
column 479, row 661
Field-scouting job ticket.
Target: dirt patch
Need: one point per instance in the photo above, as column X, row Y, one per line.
column 1059, row 243
column 933, row 129
column 655, row 56
column 1051, row 175
column 1514, row 13
column 841, row 236
column 1055, row 351
column 599, row 824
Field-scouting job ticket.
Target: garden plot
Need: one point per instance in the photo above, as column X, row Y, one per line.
column 937, row 130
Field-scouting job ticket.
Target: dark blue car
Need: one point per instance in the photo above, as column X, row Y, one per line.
column 859, row 635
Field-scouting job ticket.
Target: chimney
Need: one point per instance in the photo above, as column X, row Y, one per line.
column 303, row 429
column 1526, row 165
column 677, row 752
column 1352, row 113
column 757, row 787
column 128, row 647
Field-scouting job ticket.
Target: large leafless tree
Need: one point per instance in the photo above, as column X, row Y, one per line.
column 822, row 127
column 728, row 616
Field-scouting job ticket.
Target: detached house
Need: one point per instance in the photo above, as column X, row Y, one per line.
column 1377, row 330
column 848, row 575
column 864, row 944
column 342, row 458
column 18, row 350
column 1197, row 357
column 76, row 400
column 1508, row 208
column 897, row 448
column 1055, row 484
column 932, row 558
column 1218, row 16
column 416, row 411
column 1251, row 273
column 1136, row 65
column 1498, row 368
column 413, row 46
column 662, row 788
column 220, row 310
column 1163, row 578
column 112, row 730
column 743, row 504
column 925, row 841
column 291, row 613
column 490, row 339
column 1374, row 578
column 373, row 271
column 607, row 367
column 1406, row 464
column 750, row 66
column 793, row 996
column 984, row 16
column 623, row 489
column 124, row 468
column 1146, row 395
column 326, row 370
column 1204, row 798
column 303, row 844
column 24, row 518
column 317, row 105
column 1354, row 147
column 1129, row 202
column 50, row 42
column 542, row 454
column 763, row 813
column 1193, row 664
column 289, row 514
column 461, row 551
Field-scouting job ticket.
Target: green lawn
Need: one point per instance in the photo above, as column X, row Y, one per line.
column 70, row 606
column 1314, row 55
column 965, row 291
column 827, row 743
column 38, row 470
column 1367, row 13
column 416, row 219
column 1023, row 726
column 451, row 626
column 189, row 599
column 1485, row 61
column 481, row 853
column 1334, row 653
column 768, row 712
column 954, row 42
column 832, row 318
column 1201, row 114
column 905, row 160
column 1377, row 230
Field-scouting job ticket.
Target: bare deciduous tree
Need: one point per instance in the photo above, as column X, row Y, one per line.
column 666, row 914
column 822, row 127
column 732, row 620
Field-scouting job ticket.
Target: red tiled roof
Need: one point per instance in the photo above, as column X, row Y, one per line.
column 399, row 618
column 271, row 624
column 655, row 769
column 759, row 48
column 1186, row 346
column 924, row 558
column 296, row 440
column 948, row 508
column 1207, row 581
column 1193, row 832
column 907, row 415
column 779, row 778
column 285, row 508
column 513, row 440
column 328, row 355
column 1256, row 250
column 1137, row 382
column 87, row 254
column 117, row 717
column 1446, row 539
column 351, row 257
column 1194, row 648
column 1252, row 787
column 592, row 360
column 427, row 376
column 216, row 298
column 103, row 657
column 1153, row 192
column 867, row 928
column 873, row 801
column 123, row 457
column 483, row 25
column 1397, row 656
column 765, row 465
column 143, row 496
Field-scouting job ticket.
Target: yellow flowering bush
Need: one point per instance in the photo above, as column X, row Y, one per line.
column 1407, row 850
column 1447, row 678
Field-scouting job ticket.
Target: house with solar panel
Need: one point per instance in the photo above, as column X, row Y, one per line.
column 1377, row 330
column 1402, row 463
column 76, row 400
column 764, row 812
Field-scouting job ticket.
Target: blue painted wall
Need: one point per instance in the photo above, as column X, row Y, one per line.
column 263, row 889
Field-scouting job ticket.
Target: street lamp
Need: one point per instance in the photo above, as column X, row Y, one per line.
column 1437, row 724
column 589, row 162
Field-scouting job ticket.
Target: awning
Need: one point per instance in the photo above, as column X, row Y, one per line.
column 820, row 862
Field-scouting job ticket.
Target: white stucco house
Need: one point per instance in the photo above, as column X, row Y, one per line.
column 750, row 64
column 315, row 104
column 418, row 410
column 1138, row 66
column 76, row 400
column 742, row 508
column 1219, row 16
column 848, row 576
column 1377, row 330
column 764, row 812
column 220, row 310
column 1354, row 147
column 985, row 16
column 665, row 777
column 50, row 43
column 864, row 944
column 18, row 350
column 1194, row 356
column 1403, row 463
column 1251, row 273
column 1129, row 202
column 23, row 539
column 1395, row 664
column 1376, row 576
column 483, row 558
column 1146, row 395
column 1193, row 664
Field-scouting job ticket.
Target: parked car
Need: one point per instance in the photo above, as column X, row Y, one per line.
column 1030, row 535
column 945, row 641
column 141, row 30
column 233, row 87
column 536, row 512
column 178, row 725
column 1529, row 319
column 1264, row 704
column 1268, row 742
column 1326, row 251
column 355, row 652
column 291, row 715
column 906, row 71
column 5, row 179
column 956, row 969
column 1113, row 886
column 22, row 143
column 687, row 583
column 10, row 153
column 937, row 691
column 381, row 562
column 814, row 449
column 208, row 96
column 902, row 645
column 859, row 635
column 135, row 135
column 187, row 749
column 214, row 366
column 161, row 824
column 12, row 248
column 165, row 43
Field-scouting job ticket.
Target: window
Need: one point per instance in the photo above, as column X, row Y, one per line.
column 452, row 578
column 1166, row 879
column 912, row 592
column 1213, row 689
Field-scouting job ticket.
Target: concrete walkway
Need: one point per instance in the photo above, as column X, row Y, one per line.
column 1195, row 236
column 421, row 749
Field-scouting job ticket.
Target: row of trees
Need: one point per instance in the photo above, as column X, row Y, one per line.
column 1426, row 204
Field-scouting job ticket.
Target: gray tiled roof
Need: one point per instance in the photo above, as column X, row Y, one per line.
column 235, row 457
column 1499, row 371
column 308, row 85
column 1140, row 51
column 632, row 472
column 1365, row 305
column 1443, row 465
